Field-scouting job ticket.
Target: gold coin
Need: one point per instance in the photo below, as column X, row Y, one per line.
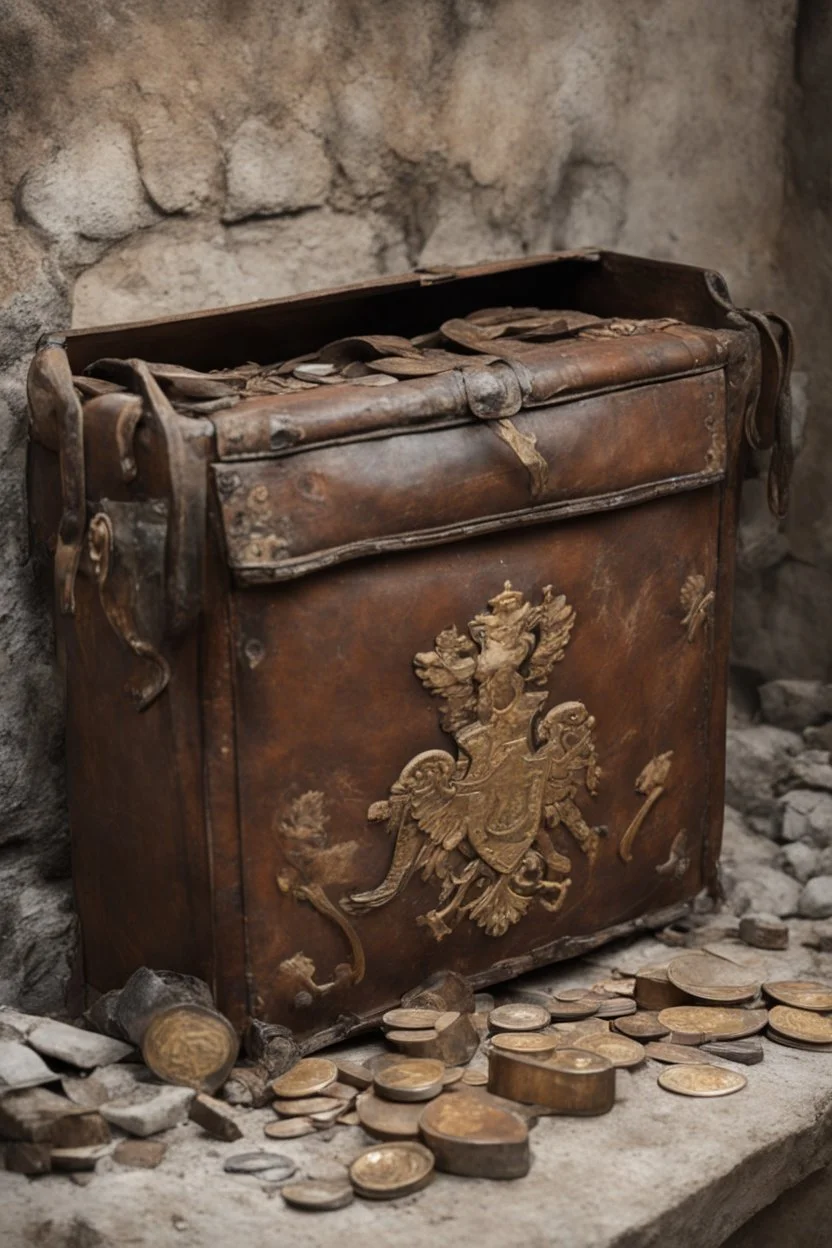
column 803, row 994
column 386, row 1171
column 317, row 1194
column 410, row 1020
column 710, row 978
column 569, row 1011
column 675, row 1054
column 616, row 1049
column 452, row 1074
column 801, row 1025
column 412, row 1036
column 712, row 1022
column 775, row 1036
column 642, row 1026
column 190, row 1045
column 289, row 1128
column 475, row 1078
column 531, row 1042
column 704, row 1080
column 389, row 1120
column 518, row 1017
column 309, row 1076
column 411, row 1079
column 300, row 1106
column 581, row 1061
column 575, row 994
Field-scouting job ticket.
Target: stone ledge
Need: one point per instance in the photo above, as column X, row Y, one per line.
column 658, row 1170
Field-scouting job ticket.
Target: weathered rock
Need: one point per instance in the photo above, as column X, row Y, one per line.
column 214, row 1118
column 84, row 1049
column 89, row 1093
column 24, row 1157
column 140, row 1154
column 811, row 770
column 273, row 170
column 795, row 704
column 32, row 1114
column 164, row 1109
column 84, row 1157
column 21, row 1068
column 819, row 738
column 800, row 861
column 807, row 816
column 90, row 187
column 816, row 899
column 79, row 1131
column 758, row 757
column 764, row 931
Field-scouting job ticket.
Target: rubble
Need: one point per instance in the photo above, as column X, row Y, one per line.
column 167, row 1107
column 84, row 1049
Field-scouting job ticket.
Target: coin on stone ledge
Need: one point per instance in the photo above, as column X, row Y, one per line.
column 300, row 1106
column 642, row 1026
column 411, row 1079
column 801, row 1025
column 409, row 1019
column 535, row 1043
column 710, row 978
column 317, row 1195
column 713, row 1022
column 619, row 1050
column 289, row 1128
column 519, row 1018
column 803, row 994
column 776, row 1038
column 386, row 1171
column 675, row 1054
column 703, row 1080
column 310, row 1076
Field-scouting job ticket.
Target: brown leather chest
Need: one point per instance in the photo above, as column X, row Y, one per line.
column 409, row 653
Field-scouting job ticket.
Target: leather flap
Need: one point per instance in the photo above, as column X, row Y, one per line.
column 287, row 516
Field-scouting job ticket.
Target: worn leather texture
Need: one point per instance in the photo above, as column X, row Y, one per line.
column 416, row 715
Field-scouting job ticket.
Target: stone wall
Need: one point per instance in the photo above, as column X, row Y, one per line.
column 161, row 155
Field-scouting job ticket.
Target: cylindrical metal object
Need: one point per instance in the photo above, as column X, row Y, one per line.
column 571, row 1081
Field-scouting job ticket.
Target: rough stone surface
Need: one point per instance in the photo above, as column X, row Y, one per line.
column 758, row 757
column 816, row 899
column 157, row 1111
column 800, row 860
column 807, row 816
column 165, row 156
column 672, row 1171
column 795, row 704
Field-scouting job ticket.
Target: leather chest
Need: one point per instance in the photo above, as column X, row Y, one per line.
column 407, row 651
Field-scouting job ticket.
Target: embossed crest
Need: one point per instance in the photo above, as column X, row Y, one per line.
column 481, row 824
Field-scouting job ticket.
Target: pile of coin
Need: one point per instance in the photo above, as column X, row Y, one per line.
column 459, row 1090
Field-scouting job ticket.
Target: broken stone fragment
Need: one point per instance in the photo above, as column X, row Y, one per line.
column 21, row 1068
column 89, row 1093
column 80, row 1131
column 764, row 931
column 140, row 1154
column 811, row 770
column 84, row 1158
column 807, row 816
column 32, row 1114
column 795, row 704
column 816, row 899
column 444, row 990
column 84, row 1049
column 214, row 1118
column 758, row 757
column 800, row 861
column 21, row 1024
column 164, row 1109
column 29, row 1158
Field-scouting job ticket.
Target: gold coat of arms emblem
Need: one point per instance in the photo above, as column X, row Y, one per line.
column 481, row 824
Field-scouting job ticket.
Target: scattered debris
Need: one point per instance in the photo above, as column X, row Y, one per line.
column 21, row 1068
column 140, row 1154
column 84, row 1049
column 214, row 1118
column 166, row 1108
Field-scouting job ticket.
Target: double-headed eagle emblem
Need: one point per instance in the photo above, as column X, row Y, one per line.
column 481, row 824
